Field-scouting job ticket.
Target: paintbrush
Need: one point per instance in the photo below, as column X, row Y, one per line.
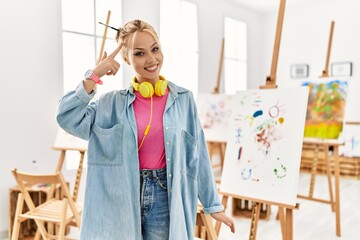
column 110, row 27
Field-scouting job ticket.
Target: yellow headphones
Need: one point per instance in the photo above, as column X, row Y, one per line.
column 147, row 90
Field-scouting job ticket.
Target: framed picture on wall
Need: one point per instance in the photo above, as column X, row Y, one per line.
column 341, row 69
column 299, row 70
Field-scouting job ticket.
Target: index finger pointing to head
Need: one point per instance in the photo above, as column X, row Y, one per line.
column 113, row 54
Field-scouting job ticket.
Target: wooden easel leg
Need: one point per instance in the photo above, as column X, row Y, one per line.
column 254, row 220
column 222, row 154
column 289, row 224
column 78, row 176
column 328, row 171
column 313, row 171
column 337, row 190
column 282, row 221
column 218, row 224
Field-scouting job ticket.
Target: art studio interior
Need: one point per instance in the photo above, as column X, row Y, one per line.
column 276, row 86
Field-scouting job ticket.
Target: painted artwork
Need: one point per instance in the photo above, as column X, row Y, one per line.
column 326, row 105
column 263, row 153
column 214, row 112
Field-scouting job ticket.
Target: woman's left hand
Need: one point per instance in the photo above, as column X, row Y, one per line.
column 221, row 216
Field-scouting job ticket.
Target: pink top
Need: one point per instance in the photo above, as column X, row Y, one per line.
column 152, row 152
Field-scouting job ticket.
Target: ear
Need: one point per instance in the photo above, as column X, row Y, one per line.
column 126, row 60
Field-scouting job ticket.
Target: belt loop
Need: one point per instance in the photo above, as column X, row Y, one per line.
column 154, row 173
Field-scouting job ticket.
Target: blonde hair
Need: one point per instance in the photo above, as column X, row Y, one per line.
column 126, row 34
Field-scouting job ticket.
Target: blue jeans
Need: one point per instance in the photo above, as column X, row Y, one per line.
column 155, row 219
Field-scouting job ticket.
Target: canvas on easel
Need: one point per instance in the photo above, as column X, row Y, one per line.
column 324, row 125
column 263, row 153
column 65, row 140
column 326, row 108
column 214, row 113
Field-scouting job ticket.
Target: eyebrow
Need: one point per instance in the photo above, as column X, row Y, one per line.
column 154, row 44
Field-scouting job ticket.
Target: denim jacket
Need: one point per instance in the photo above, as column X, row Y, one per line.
column 112, row 195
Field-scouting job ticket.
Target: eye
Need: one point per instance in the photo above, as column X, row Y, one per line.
column 139, row 54
column 155, row 49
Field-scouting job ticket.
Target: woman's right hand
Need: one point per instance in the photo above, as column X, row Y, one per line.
column 108, row 65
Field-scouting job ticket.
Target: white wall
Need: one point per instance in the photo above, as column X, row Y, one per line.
column 211, row 31
column 31, row 73
column 305, row 39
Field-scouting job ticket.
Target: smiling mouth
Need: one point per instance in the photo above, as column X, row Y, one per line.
column 152, row 68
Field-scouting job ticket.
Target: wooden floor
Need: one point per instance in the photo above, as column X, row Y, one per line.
column 313, row 221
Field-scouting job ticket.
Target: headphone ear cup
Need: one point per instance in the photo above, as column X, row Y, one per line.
column 160, row 88
column 135, row 84
column 146, row 90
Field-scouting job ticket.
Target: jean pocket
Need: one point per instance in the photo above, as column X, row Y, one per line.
column 162, row 183
column 106, row 145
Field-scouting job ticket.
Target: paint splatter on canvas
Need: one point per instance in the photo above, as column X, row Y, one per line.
column 263, row 151
column 326, row 105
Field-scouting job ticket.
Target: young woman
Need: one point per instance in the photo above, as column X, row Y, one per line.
column 147, row 157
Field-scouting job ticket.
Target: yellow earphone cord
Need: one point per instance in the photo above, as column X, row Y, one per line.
column 147, row 129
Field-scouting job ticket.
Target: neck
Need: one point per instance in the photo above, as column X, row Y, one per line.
column 150, row 80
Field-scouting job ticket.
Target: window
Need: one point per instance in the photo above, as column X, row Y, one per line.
column 82, row 38
column 179, row 39
column 235, row 56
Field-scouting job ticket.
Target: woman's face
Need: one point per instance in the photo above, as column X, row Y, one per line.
column 146, row 57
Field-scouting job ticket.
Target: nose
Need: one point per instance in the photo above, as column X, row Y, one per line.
column 151, row 59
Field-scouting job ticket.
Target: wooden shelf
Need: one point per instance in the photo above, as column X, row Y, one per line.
column 349, row 166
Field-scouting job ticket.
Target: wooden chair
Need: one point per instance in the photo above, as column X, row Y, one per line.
column 205, row 220
column 59, row 212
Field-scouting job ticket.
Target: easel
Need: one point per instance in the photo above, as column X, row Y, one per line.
column 212, row 145
column 286, row 219
column 103, row 42
column 325, row 145
column 325, row 72
column 79, row 169
column 104, row 37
